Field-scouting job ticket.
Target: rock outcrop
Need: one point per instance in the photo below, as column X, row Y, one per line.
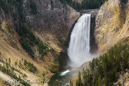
column 111, row 23
column 12, row 53
column 52, row 20
column 93, row 44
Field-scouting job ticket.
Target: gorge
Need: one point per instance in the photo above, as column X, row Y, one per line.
column 78, row 50
column 50, row 42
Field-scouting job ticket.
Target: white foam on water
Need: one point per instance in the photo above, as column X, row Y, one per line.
column 64, row 73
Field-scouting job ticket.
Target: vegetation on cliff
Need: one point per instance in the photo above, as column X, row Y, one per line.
column 30, row 66
column 106, row 69
column 11, row 71
column 27, row 38
column 8, row 5
column 28, row 41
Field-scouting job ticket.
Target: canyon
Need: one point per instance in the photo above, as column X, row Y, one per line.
column 52, row 22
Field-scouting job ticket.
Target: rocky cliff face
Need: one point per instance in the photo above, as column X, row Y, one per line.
column 111, row 23
column 93, row 44
column 11, row 52
column 51, row 20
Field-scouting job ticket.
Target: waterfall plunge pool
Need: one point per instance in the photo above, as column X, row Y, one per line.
column 62, row 79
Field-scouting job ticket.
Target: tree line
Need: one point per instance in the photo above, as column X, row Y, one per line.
column 85, row 4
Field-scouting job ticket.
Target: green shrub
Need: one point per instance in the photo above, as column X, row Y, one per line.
column 10, row 71
column 31, row 67
column 53, row 70
column 28, row 41
column 42, row 47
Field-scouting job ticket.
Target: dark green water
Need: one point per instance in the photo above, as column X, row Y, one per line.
column 58, row 80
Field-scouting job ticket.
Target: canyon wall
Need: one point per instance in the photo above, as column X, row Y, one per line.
column 112, row 23
column 48, row 21
column 52, row 21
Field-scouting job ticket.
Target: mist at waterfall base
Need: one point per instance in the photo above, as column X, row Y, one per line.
column 79, row 46
column 78, row 51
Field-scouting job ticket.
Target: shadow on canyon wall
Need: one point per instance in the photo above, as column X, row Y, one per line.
column 93, row 43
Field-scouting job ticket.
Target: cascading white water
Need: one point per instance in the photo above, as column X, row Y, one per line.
column 79, row 46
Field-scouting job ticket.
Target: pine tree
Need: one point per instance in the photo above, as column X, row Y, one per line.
column 99, row 81
column 79, row 82
column 105, row 81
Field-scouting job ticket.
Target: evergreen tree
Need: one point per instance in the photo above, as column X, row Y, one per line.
column 105, row 81
column 85, row 4
column 99, row 81
column 79, row 82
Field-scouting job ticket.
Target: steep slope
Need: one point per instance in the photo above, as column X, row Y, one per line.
column 11, row 52
column 111, row 23
column 31, row 41
column 50, row 20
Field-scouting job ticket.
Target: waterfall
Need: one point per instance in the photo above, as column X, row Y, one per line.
column 79, row 46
